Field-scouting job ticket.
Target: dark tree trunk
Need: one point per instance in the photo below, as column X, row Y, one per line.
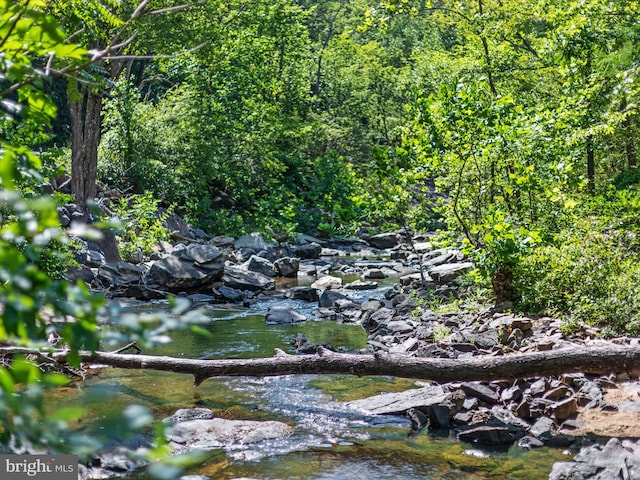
column 85, row 110
column 591, row 165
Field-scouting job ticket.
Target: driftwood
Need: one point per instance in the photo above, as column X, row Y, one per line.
column 592, row 360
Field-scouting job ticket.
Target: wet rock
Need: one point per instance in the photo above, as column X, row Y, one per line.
column 360, row 285
column 228, row 294
column 400, row 402
column 283, row 315
column 487, row 435
column 306, row 294
column 614, row 461
column 287, row 266
column 327, row 282
column 240, row 279
column 260, row 265
column 529, row 443
column 187, row 414
column 373, row 274
column 329, row 298
column 218, row 432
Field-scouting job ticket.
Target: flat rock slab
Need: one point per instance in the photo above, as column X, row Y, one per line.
column 214, row 433
column 400, row 402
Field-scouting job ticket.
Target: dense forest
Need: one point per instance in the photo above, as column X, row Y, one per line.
column 508, row 128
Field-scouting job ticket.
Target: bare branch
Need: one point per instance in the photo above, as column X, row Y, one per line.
column 162, row 11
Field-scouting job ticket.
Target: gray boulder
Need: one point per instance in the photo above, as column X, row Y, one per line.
column 253, row 241
column 384, row 240
column 448, row 272
column 209, row 434
column 283, row 315
column 188, row 268
column 400, row 402
column 287, row 266
column 238, row 278
column 307, row 251
column 260, row 265
column 306, row 294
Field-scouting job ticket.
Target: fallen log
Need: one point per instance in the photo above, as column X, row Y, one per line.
column 590, row 360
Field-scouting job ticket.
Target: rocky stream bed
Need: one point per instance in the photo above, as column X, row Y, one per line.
column 600, row 415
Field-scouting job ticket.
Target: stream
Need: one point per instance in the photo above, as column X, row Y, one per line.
column 330, row 441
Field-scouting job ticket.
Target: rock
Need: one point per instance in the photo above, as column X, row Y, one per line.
column 217, row 433
column 308, row 251
column 399, row 326
column 397, row 403
column 108, row 245
column 373, row 274
column 253, row 241
column 260, row 265
column 283, row 314
column 613, row 461
column 543, row 429
column 528, row 443
column 487, row 435
column 381, row 317
column 360, row 285
column 187, row 414
column 81, row 272
column 287, row 266
column 448, row 272
column 228, row 294
column 384, row 240
column 222, row 241
column 440, row 257
column 201, row 255
column 511, row 394
column 480, row 391
column 329, row 298
column 572, row 471
column 327, row 282
column 120, row 274
column 201, row 298
column 564, row 409
column 306, row 294
column 94, row 258
column 186, row 269
column 304, row 239
column 236, row 277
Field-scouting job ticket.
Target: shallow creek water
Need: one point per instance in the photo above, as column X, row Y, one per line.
column 330, row 441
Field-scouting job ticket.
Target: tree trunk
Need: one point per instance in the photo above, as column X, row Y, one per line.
column 85, row 110
column 593, row 360
column 591, row 165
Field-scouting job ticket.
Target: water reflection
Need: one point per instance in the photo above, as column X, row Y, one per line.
column 330, row 441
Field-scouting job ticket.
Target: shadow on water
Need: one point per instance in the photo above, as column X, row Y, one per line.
column 330, row 440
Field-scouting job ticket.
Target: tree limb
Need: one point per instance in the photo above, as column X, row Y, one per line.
column 591, row 360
